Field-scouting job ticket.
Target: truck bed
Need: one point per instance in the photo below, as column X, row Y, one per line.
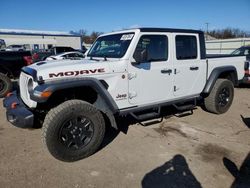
column 227, row 60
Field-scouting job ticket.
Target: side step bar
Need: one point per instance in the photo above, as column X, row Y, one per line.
column 156, row 112
column 185, row 107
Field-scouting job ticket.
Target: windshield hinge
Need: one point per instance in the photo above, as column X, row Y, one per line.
column 132, row 94
column 131, row 76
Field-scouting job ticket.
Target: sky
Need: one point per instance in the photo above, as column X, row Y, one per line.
column 112, row 15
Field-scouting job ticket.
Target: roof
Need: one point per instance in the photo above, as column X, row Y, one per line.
column 149, row 29
column 34, row 32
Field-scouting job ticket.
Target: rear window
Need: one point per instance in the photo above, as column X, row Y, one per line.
column 186, row 47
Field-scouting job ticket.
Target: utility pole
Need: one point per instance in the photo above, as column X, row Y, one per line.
column 207, row 29
column 207, row 26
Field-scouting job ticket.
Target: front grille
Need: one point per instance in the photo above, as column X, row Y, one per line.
column 24, row 92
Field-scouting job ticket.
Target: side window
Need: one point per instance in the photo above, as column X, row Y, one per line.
column 36, row 47
column 79, row 55
column 155, row 45
column 186, row 47
column 72, row 55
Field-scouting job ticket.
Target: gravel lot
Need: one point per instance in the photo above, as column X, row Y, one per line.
column 200, row 150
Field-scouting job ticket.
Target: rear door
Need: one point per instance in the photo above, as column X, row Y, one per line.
column 189, row 69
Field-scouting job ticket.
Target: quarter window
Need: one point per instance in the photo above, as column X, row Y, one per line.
column 156, row 46
column 186, row 47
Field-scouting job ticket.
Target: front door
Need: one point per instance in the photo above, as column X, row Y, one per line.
column 151, row 81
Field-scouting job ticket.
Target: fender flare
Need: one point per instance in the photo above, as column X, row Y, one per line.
column 104, row 102
column 215, row 74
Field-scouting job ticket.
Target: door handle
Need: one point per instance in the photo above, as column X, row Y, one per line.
column 194, row 68
column 168, row 71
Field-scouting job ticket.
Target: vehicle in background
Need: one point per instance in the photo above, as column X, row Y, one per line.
column 42, row 55
column 2, row 45
column 83, row 50
column 11, row 64
column 244, row 51
column 15, row 48
column 66, row 55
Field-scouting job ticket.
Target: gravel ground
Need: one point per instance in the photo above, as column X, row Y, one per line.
column 200, row 150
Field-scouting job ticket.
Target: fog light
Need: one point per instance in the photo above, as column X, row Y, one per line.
column 13, row 105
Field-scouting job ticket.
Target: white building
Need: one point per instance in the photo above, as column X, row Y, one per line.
column 40, row 39
column 225, row 46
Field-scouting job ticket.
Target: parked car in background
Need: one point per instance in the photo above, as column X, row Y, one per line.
column 42, row 55
column 11, row 64
column 244, row 50
column 2, row 45
column 15, row 48
column 67, row 55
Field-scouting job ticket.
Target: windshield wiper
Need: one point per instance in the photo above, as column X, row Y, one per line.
column 91, row 58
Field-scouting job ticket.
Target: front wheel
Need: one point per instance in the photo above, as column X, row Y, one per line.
column 73, row 130
column 221, row 97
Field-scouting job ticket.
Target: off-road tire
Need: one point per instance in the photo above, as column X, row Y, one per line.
column 213, row 103
column 54, row 124
column 5, row 85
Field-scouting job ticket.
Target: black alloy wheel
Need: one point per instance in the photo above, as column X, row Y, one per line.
column 76, row 132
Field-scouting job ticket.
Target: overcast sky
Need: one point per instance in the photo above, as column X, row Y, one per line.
column 109, row 15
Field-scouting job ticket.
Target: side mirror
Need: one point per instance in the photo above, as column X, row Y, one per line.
column 140, row 56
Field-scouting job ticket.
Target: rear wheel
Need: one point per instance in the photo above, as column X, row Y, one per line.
column 221, row 97
column 73, row 130
column 5, row 85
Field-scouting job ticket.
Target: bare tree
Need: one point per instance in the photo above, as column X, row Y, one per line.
column 88, row 39
column 228, row 33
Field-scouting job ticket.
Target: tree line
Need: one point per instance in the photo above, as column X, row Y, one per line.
column 87, row 38
column 216, row 33
column 228, row 33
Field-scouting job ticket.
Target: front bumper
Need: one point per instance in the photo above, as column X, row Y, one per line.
column 17, row 113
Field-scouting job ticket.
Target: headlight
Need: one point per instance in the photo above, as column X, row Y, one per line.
column 30, row 85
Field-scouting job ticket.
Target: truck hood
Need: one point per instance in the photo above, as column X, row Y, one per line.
column 50, row 70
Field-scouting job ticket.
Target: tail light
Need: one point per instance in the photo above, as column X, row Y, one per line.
column 247, row 72
column 246, row 67
column 28, row 60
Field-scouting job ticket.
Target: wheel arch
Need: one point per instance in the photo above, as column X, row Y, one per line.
column 90, row 90
column 227, row 72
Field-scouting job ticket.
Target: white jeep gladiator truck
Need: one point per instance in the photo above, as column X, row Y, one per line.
column 132, row 73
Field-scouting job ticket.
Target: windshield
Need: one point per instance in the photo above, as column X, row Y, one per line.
column 111, row 46
column 238, row 51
